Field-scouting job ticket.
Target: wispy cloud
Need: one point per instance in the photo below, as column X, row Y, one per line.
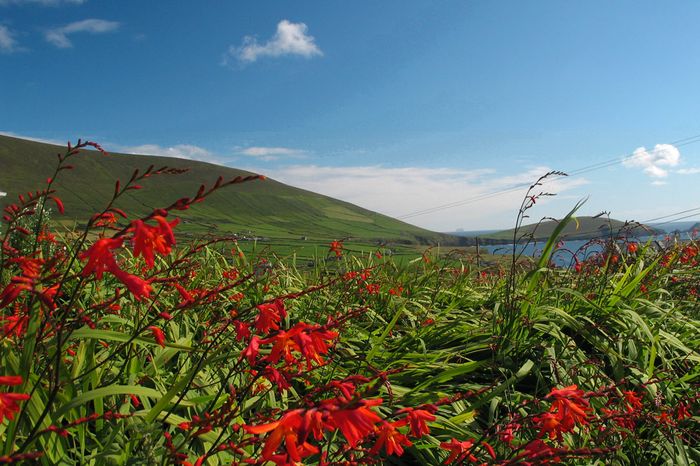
column 55, row 142
column 400, row 191
column 688, row 171
column 59, row 36
column 180, row 151
column 653, row 162
column 272, row 153
column 42, row 2
column 290, row 39
column 8, row 43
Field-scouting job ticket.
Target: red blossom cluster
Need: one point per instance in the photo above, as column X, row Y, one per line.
column 8, row 400
column 301, row 429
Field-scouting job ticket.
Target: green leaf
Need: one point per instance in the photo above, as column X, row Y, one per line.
column 100, row 393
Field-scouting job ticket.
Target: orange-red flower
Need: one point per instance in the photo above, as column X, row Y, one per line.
column 269, row 316
column 459, row 451
column 417, row 419
column 568, row 409
column 355, row 423
column 287, row 429
column 100, row 258
column 252, row 350
column 149, row 239
column 539, row 451
column 27, row 280
column 550, row 424
column 137, row 286
column 282, row 346
column 391, row 439
column 337, row 248
column 158, row 335
column 633, row 400
column 8, row 401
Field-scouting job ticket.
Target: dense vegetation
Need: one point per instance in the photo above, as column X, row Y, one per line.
column 122, row 345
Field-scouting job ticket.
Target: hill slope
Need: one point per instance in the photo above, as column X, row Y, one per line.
column 582, row 228
column 264, row 208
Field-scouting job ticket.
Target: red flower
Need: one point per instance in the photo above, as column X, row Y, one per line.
column 634, row 401
column 11, row 380
column 540, row 451
column 8, row 401
column 682, row 412
column 59, row 204
column 391, row 439
column 251, row 352
column 569, row 406
column 15, row 325
column 187, row 298
column 139, row 287
column 269, row 316
column 158, row 335
column 356, row 423
column 417, row 419
column 26, row 281
column 242, row 330
column 287, row 429
column 311, row 341
column 550, row 424
column 632, row 248
column 100, row 258
column 282, row 346
column 337, row 248
column 459, row 451
column 149, row 239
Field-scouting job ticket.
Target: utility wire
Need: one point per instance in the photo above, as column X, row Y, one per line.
column 632, row 225
column 579, row 171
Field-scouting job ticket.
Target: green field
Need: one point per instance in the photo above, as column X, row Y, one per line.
column 259, row 208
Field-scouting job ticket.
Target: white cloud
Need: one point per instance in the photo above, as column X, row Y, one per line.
column 290, row 39
column 180, row 151
column 400, row 191
column 658, row 183
column 55, row 142
column 42, row 2
column 688, row 171
column 272, row 153
column 8, row 44
column 652, row 162
column 59, row 36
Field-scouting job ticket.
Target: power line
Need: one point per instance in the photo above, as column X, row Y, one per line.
column 673, row 215
column 597, row 166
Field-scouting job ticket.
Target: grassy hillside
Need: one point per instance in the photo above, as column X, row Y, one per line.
column 263, row 208
column 584, row 228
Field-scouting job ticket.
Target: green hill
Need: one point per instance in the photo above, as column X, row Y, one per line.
column 582, row 228
column 262, row 208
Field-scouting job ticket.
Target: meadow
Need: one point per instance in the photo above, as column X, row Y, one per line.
column 125, row 343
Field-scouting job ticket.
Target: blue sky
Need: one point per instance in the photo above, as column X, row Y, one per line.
column 398, row 106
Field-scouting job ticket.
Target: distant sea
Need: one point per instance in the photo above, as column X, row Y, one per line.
column 583, row 249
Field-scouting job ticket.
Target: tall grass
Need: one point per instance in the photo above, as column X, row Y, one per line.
column 124, row 346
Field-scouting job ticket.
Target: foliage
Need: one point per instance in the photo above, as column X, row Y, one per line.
column 125, row 345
